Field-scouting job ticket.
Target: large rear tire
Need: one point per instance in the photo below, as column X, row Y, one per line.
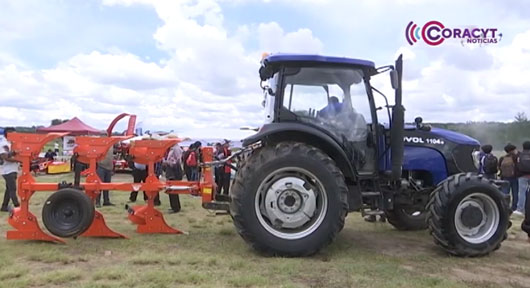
column 68, row 213
column 468, row 215
column 289, row 200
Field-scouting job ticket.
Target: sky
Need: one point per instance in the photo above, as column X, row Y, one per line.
column 192, row 66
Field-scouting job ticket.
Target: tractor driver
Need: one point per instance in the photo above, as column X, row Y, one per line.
column 333, row 108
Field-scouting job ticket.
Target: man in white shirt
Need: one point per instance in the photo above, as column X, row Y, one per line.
column 9, row 171
column 104, row 171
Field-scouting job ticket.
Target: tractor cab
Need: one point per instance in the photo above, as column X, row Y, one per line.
column 328, row 102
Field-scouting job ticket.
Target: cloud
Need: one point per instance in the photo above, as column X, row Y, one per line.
column 207, row 84
column 208, row 80
column 123, row 70
column 272, row 38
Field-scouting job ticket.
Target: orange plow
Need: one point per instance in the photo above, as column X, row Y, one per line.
column 90, row 150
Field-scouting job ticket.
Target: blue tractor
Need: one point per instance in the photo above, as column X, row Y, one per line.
column 323, row 152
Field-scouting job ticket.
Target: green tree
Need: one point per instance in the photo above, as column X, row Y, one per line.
column 521, row 117
column 56, row 122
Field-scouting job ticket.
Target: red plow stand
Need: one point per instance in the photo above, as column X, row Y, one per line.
column 90, row 150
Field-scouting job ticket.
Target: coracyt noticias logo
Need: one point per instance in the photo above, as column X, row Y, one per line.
column 435, row 33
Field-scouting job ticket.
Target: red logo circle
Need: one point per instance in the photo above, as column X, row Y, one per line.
column 426, row 33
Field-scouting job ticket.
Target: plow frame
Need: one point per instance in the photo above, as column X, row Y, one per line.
column 91, row 150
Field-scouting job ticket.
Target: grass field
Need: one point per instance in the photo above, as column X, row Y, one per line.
column 213, row 255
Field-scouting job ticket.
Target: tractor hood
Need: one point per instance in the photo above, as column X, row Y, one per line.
column 456, row 148
column 455, row 137
column 452, row 136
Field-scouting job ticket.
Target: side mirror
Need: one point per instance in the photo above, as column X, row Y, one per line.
column 394, row 79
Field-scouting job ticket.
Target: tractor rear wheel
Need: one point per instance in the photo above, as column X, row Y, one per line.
column 289, row 200
column 468, row 215
column 68, row 213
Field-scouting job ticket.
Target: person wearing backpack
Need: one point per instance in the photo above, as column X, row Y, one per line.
column 523, row 165
column 488, row 163
column 509, row 173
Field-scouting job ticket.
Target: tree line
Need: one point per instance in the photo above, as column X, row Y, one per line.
column 497, row 134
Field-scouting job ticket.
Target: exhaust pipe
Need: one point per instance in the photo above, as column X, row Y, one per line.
column 398, row 125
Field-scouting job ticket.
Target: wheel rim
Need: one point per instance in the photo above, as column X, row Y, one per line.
column 65, row 214
column 291, row 203
column 477, row 218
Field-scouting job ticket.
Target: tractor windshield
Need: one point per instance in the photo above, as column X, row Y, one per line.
column 331, row 97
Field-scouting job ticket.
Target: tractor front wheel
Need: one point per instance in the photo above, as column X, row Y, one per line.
column 468, row 215
column 289, row 200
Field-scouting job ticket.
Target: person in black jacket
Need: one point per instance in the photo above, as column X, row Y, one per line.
column 50, row 155
column 218, row 169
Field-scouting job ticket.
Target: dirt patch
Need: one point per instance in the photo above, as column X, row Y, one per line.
column 392, row 243
column 502, row 277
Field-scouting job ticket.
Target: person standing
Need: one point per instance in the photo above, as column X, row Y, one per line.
column 226, row 171
column 56, row 148
column 174, row 171
column 218, row 169
column 185, row 155
column 488, row 163
column 50, row 155
column 158, row 173
column 525, row 226
column 509, row 173
column 523, row 166
column 9, row 171
column 192, row 161
column 139, row 173
column 104, row 171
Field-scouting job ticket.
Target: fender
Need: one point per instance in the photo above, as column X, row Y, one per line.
column 426, row 159
column 291, row 131
column 286, row 131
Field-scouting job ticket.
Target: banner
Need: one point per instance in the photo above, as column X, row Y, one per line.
column 68, row 144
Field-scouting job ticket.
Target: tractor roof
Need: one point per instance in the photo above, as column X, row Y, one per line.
column 278, row 58
column 271, row 63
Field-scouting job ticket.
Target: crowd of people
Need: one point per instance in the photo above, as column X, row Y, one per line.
column 513, row 168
